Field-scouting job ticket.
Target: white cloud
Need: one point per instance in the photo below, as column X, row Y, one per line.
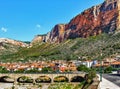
column 3, row 29
column 38, row 26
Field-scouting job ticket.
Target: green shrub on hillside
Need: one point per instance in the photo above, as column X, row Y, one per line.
column 71, row 49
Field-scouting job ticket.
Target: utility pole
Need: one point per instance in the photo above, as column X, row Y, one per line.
column 101, row 67
column 101, row 54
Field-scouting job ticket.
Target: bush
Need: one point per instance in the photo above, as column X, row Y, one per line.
column 47, row 69
column 92, row 74
column 63, row 86
column 115, row 69
column 25, row 79
column 19, row 71
column 43, row 79
column 83, row 68
column 60, row 79
column 108, row 70
column 3, row 70
column 89, row 78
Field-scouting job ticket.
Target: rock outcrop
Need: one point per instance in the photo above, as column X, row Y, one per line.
column 9, row 46
column 93, row 21
column 38, row 39
column 57, row 33
column 13, row 42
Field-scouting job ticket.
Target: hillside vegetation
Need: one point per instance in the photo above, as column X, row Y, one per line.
column 7, row 48
column 95, row 47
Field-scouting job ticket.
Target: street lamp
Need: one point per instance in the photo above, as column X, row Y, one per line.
column 101, row 54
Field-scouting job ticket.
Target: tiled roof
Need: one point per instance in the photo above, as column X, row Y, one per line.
column 116, row 63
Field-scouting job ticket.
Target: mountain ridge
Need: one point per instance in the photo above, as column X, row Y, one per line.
column 14, row 42
column 93, row 21
column 71, row 49
column 98, row 19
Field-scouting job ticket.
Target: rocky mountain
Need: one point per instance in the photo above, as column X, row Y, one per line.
column 88, row 48
column 10, row 46
column 13, row 42
column 53, row 36
column 38, row 39
column 84, row 36
column 91, row 22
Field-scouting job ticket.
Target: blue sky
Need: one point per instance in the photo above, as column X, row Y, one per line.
column 23, row 19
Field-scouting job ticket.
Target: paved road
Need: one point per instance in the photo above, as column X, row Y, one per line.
column 105, row 84
column 114, row 78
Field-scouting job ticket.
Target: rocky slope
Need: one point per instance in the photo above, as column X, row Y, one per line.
column 13, row 42
column 8, row 46
column 69, row 49
column 38, row 39
column 93, row 21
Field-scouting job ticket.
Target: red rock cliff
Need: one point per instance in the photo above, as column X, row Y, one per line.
column 57, row 34
column 93, row 21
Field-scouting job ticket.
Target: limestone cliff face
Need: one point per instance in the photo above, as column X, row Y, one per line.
column 38, row 39
column 57, row 33
column 93, row 21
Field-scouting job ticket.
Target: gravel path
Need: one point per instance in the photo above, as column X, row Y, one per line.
column 5, row 85
column 45, row 86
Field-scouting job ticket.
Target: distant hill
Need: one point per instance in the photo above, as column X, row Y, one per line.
column 8, row 46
